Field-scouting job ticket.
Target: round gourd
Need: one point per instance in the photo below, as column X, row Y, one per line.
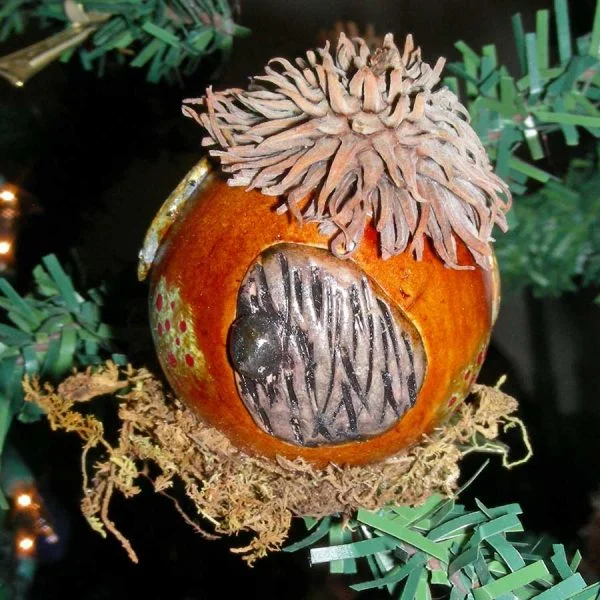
column 347, row 327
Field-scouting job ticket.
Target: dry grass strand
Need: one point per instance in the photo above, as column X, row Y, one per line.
column 235, row 492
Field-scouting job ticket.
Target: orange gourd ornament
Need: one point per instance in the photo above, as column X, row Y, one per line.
column 333, row 299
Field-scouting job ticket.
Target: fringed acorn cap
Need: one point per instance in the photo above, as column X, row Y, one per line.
column 355, row 136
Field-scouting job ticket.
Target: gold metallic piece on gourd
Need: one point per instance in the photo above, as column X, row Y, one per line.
column 168, row 213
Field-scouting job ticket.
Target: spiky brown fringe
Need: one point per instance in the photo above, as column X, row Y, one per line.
column 235, row 492
column 351, row 30
column 360, row 136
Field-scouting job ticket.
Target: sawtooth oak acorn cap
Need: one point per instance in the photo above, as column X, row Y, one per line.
column 356, row 320
column 360, row 136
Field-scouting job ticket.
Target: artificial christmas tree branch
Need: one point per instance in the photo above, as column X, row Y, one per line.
column 169, row 38
column 511, row 110
column 482, row 554
column 553, row 245
column 44, row 333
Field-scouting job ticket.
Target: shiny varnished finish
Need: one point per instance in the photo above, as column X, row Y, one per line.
column 205, row 257
column 321, row 355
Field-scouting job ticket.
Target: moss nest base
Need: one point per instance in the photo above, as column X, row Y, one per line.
column 159, row 438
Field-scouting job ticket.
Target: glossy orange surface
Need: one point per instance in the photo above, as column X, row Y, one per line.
column 194, row 285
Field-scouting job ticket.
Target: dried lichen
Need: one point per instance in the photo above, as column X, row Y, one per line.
column 352, row 136
column 234, row 492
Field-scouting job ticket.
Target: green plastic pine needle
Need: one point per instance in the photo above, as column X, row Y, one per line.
column 194, row 28
column 511, row 111
column 553, row 243
column 46, row 334
column 480, row 554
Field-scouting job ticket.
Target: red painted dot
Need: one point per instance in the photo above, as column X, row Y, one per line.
column 178, row 341
column 467, row 374
column 182, row 326
column 172, row 304
column 189, row 360
column 480, row 357
column 160, row 329
column 159, row 302
column 172, row 360
column 167, row 325
column 452, row 400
